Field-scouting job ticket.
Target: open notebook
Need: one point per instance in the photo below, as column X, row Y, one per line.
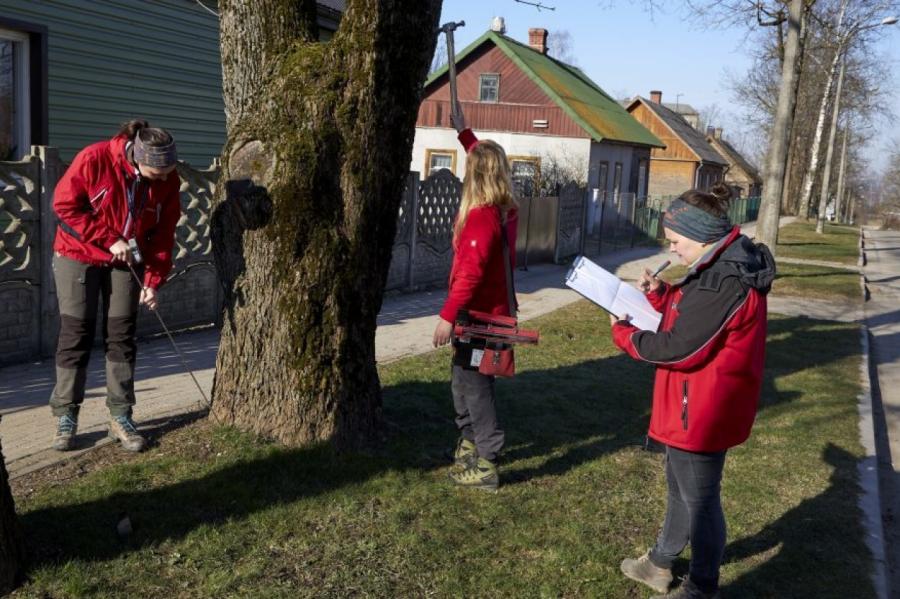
column 612, row 294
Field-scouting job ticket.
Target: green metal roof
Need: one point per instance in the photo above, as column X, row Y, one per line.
column 600, row 115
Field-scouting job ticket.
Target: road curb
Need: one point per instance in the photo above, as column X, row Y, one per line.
column 870, row 498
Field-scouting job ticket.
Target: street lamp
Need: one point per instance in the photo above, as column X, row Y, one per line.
column 826, row 176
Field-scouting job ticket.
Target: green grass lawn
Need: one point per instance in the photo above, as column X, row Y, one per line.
column 223, row 514
column 839, row 243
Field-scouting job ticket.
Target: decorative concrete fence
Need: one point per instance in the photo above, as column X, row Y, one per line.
column 550, row 229
column 29, row 314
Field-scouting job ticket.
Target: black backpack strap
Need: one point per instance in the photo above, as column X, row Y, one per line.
column 510, row 290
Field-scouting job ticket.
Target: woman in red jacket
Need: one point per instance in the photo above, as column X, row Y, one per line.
column 486, row 220
column 116, row 195
column 709, row 352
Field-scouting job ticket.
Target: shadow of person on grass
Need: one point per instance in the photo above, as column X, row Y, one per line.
column 811, row 544
column 568, row 415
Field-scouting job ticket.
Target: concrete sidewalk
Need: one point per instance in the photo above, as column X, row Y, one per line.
column 882, row 311
column 164, row 390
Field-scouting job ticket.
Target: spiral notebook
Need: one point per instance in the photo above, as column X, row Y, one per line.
column 612, row 294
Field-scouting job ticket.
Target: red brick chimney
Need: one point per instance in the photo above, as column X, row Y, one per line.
column 656, row 96
column 537, row 39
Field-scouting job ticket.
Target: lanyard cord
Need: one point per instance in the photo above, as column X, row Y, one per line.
column 206, row 403
column 131, row 221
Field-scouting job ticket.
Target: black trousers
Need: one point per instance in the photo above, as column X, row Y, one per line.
column 693, row 515
column 81, row 289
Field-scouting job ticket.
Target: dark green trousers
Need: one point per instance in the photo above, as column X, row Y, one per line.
column 81, row 290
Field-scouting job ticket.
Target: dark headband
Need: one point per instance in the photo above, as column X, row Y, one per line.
column 155, row 156
column 695, row 223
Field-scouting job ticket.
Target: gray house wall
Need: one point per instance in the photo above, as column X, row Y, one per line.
column 112, row 60
column 611, row 153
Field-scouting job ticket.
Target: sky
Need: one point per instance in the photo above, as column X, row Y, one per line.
column 628, row 52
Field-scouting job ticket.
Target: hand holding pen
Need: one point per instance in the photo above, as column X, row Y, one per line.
column 649, row 281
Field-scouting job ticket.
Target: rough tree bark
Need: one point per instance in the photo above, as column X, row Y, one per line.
column 839, row 210
column 12, row 554
column 776, row 157
column 319, row 142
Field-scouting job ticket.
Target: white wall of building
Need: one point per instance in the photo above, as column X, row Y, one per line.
column 568, row 149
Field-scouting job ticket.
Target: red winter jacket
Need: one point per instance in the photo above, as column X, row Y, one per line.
column 91, row 203
column 710, row 347
column 478, row 277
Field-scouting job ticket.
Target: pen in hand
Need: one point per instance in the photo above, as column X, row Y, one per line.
column 646, row 284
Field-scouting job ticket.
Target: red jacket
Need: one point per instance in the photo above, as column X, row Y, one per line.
column 478, row 277
column 91, row 204
column 710, row 347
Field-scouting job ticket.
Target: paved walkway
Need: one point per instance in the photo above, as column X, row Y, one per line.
column 405, row 326
column 882, row 311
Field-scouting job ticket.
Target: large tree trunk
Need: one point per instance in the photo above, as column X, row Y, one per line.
column 319, row 143
column 12, row 554
column 813, row 168
column 776, row 157
column 829, row 156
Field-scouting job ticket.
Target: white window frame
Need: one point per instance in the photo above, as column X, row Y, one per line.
column 22, row 85
column 481, row 87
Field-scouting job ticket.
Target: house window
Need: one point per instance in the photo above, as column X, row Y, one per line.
column 525, row 171
column 603, row 179
column 15, row 100
column 435, row 160
column 490, row 88
column 642, row 179
column 617, row 179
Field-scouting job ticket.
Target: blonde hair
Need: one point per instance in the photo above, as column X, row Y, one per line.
column 487, row 183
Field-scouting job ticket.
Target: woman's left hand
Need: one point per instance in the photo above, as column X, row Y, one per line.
column 442, row 332
column 148, row 298
column 613, row 319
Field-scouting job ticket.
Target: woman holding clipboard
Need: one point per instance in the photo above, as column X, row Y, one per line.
column 709, row 351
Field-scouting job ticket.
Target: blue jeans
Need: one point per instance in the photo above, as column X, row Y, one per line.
column 693, row 514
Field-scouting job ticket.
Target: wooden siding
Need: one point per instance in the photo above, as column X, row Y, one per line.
column 670, row 177
column 521, row 100
column 112, row 60
column 675, row 148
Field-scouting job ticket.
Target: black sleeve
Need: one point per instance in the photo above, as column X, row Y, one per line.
column 704, row 309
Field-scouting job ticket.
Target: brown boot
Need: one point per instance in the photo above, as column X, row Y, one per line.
column 645, row 571
column 688, row 590
column 123, row 429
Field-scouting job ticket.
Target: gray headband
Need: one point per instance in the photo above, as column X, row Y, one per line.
column 695, row 223
column 155, row 156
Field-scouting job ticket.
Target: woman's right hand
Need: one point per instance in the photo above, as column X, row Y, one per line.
column 458, row 120
column 120, row 251
column 647, row 282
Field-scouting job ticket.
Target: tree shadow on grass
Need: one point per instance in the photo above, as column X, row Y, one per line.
column 812, row 544
column 569, row 415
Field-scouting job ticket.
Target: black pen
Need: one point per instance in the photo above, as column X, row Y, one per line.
column 661, row 268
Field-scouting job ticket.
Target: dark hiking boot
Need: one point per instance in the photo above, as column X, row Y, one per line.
column 645, row 571
column 123, row 429
column 689, row 590
column 480, row 474
column 465, row 454
column 66, row 426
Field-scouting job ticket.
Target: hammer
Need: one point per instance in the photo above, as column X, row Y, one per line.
column 449, row 28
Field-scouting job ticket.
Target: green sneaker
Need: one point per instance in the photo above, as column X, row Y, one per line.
column 481, row 474
column 465, row 454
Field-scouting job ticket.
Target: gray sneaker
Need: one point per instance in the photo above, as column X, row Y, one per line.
column 645, row 571
column 688, row 590
column 123, row 429
column 66, row 426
